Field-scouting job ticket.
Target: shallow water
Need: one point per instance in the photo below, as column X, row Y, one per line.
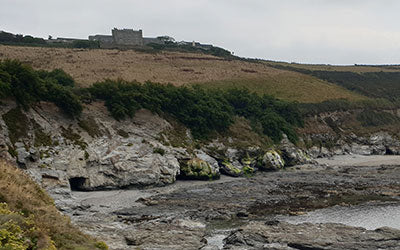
column 370, row 216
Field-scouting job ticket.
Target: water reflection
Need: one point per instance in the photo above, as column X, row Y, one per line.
column 369, row 216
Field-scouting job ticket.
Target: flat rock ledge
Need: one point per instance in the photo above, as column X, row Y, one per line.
column 307, row 236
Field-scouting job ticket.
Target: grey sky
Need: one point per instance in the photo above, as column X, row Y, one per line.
column 309, row 31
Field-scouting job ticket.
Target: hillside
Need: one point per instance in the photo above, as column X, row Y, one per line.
column 29, row 218
column 126, row 140
column 382, row 81
column 327, row 67
column 89, row 66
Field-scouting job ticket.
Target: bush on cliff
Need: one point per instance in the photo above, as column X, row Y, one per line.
column 203, row 111
column 28, row 87
column 274, row 116
column 58, row 76
column 370, row 118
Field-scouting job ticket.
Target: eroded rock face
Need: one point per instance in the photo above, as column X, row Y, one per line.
column 95, row 152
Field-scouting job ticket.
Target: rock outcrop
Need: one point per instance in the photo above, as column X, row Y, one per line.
column 95, row 152
column 198, row 169
column 272, row 161
column 293, row 155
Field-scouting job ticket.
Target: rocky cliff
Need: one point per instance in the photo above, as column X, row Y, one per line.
column 97, row 152
column 339, row 133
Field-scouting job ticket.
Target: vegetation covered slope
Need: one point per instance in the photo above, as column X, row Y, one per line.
column 202, row 110
column 89, row 66
column 372, row 81
column 327, row 67
column 29, row 219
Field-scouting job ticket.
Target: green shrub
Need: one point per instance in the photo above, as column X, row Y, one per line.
column 204, row 111
column 25, row 85
column 101, row 245
column 59, row 76
column 369, row 118
column 28, row 87
column 5, row 84
column 275, row 116
column 63, row 98
column 159, row 151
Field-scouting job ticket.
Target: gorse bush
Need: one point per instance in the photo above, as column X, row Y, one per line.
column 28, row 87
column 203, row 111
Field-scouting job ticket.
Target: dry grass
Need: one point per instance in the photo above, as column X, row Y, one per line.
column 24, row 195
column 291, row 86
column 88, row 66
column 351, row 68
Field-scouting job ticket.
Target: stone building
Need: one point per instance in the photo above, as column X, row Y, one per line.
column 128, row 37
column 102, row 38
column 123, row 38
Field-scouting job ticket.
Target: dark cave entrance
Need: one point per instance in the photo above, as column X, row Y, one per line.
column 77, row 183
column 389, row 152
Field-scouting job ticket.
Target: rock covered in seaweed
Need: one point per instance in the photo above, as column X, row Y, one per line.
column 272, row 161
column 197, row 169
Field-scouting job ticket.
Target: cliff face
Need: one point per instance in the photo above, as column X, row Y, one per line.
column 97, row 152
column 339, row 132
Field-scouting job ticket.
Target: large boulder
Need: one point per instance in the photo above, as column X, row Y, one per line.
column 230, row 169
column 197, row 169
column 248, row 164
column 210, row 160
column 272, row 161
column 292, row 155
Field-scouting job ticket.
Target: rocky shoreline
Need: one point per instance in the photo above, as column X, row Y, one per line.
column 237, row 213
column 139, row 161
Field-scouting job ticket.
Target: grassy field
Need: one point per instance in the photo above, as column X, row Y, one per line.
column 290, row 86
column 31, row 210
column 327, row 67
column 89, row 66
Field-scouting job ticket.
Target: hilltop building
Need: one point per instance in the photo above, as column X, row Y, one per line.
column 124, row 37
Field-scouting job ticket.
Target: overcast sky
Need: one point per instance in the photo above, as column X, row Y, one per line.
column 305, row 31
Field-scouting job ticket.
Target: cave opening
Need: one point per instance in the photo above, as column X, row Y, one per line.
column 77, row 183
column 389, row 152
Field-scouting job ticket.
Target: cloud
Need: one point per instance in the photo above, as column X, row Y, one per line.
column 313, row 31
